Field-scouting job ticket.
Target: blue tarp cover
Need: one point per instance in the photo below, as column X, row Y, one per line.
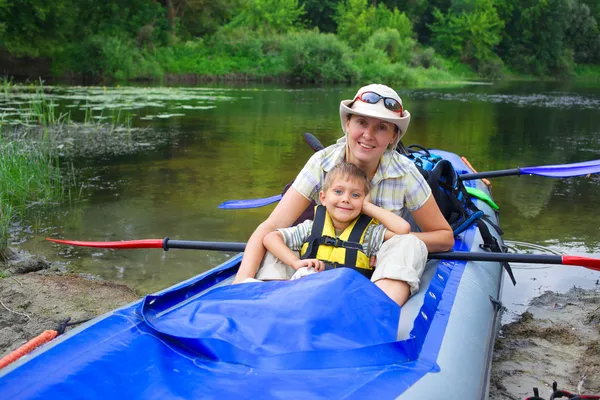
column 324, row 320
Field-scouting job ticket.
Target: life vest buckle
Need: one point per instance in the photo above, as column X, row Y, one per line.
column 331, row 241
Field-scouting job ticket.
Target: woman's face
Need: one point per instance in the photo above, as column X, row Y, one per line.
column 368, row 138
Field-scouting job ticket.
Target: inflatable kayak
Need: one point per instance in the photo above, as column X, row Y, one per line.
column 329, row 335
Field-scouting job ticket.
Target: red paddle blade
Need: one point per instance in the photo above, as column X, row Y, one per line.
column 591, row 263
column 126, row 244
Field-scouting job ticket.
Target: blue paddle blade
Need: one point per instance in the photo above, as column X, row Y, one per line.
column 564, row 171
column 249, row 203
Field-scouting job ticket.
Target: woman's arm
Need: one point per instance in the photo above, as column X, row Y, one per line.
column 287, row 211
column 435, row 230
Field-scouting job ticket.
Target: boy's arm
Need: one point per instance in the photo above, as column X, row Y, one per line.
column 395, row 224
column 275, row 244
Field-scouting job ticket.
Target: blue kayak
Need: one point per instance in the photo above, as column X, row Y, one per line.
column 328, row 335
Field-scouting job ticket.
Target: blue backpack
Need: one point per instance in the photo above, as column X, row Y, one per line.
column 448, row 191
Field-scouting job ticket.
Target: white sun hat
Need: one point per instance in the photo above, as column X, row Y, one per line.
column 377, row 110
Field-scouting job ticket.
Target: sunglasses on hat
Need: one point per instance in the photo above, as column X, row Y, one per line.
column 372, row 98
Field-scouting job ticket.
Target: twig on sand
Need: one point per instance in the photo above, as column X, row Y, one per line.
column 581, row 380
column 15, row 312
column 16, row 280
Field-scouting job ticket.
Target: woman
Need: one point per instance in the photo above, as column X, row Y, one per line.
column 373, row 123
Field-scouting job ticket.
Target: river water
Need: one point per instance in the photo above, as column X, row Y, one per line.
column 200, row 146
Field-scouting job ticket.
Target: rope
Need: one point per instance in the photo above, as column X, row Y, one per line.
column 37, row 341
column 44, row 337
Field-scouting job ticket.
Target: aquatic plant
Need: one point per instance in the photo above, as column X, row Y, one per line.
column 29, row 176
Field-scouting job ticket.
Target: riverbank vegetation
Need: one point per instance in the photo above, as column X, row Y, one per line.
column 398, row 41
column 38, row 140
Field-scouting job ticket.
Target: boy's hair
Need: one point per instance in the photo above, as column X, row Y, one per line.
column 348, row 171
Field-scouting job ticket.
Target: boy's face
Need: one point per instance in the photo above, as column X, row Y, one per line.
column 344, row 199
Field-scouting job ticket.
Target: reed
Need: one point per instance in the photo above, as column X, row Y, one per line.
column 29, row 176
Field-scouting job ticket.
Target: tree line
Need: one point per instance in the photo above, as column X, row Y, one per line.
column 317, row 40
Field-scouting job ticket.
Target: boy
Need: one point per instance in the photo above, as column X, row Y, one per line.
column 347, row 230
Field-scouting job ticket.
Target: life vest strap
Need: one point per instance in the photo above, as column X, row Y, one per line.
column 337, row 242
column 367, row 273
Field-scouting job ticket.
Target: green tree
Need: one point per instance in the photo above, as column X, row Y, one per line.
column 36, row 27
column 357, row 21
column 582, row 34
column 420, row 13
column 469, row 31
column 533, row 40
column 198, row 17
column 269, row 16
column 320, row 14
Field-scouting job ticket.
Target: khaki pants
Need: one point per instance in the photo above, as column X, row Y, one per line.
column 401, row 258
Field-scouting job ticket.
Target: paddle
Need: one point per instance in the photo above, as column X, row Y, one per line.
column 550, row 171
column 166, row 244
column 314, row 144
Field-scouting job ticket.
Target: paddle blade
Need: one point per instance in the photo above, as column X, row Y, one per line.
column 126, row 244
column 591, row 263
column 564, row 170
column 313, row 142
column 249, row 203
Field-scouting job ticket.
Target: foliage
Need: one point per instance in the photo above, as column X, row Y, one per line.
column 36, row 27
column 269, row 16
column 469, row 31
column 357, row 21
column 198, row 17
column 143, row 39
column 320, row 13
column 533, row 40
column 317, row 57
column 391, row 42
column 582, row 33
column 110, row 57
column 420, row 13
column 26, row 175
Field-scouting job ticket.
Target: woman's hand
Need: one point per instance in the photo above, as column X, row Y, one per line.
column 313, row 263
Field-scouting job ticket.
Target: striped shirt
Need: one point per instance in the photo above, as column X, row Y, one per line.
column 296, row 236
column 397, row 185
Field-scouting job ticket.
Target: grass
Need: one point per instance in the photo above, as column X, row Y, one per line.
column 29, row 176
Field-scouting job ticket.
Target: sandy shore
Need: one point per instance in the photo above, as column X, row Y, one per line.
column 557, row 339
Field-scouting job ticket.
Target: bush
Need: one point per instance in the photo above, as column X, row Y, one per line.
column 397, row 48
column 112, row 57
column 492, row 69
column 318, row 57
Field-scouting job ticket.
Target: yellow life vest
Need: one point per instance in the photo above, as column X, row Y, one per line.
column 343, row 251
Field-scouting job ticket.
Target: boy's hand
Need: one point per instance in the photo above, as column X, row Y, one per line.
column 313, row 263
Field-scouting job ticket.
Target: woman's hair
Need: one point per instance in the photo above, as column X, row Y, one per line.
column 348, row 171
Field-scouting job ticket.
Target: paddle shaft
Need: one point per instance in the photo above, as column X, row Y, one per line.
column 166, row 244
column 490, row 174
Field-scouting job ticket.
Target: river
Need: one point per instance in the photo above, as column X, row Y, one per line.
column 205, row 145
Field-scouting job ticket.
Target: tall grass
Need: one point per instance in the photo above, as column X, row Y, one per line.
column 29, row 169
column 28, row 176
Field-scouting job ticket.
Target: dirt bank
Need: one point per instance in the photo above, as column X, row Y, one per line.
column 556, row 339
column 33, row 302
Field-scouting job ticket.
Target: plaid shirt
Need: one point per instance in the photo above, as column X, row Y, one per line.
column 397, row 184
